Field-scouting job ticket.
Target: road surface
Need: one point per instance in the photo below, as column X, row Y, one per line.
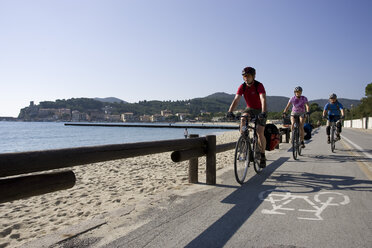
column 324, row 199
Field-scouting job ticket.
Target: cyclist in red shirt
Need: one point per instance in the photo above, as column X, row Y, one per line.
column 255, row 96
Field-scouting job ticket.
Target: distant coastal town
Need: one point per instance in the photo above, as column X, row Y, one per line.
column 207, row 109
column 36, row 113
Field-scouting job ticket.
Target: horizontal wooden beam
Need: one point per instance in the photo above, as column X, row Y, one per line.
column 35, row 161
column 225, row 147
column 25, row 186
column 183, row 155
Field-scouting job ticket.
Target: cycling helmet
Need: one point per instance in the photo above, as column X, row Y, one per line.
column 298, row 88
column 249, row 70
column 332, row 96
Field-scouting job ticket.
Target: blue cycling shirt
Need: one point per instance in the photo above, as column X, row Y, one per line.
column 333, row 108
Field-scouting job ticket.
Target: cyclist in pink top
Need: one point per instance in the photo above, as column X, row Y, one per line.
column 300, row 108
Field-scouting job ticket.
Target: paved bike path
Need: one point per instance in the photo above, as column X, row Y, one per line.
column 321, row 200
column 360, row 140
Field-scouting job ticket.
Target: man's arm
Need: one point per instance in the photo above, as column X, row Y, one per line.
column 263, row 102
column 235, row 103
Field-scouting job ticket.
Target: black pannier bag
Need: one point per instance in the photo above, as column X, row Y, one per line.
column 307, row 128
column 272, row 136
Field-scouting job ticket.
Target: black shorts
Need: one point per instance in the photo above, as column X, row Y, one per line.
column 256, row 112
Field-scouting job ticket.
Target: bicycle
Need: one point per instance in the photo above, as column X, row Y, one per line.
column 296, row 144
column 333, row 120
column 247, row 150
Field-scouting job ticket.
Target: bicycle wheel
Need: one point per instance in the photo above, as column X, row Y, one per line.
column 294, row 143
column 299, row 148
column 333, row 142
column 256, row 156
column 242, row 159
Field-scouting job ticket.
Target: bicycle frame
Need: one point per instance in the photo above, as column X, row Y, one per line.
column 247, row 150
column 255, row 147
column 333, row 131
column 296, row 147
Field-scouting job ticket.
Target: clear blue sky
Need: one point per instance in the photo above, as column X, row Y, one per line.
column 180, row 49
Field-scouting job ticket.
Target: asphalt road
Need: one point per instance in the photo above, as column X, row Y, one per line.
column 324, row 199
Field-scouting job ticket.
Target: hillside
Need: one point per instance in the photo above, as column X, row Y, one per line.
column 215, row 103
column 274, row 103
column 110, row 100
column 344, row 101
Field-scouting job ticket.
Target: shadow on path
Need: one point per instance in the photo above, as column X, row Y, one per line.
column 333, row 158
column 246, row 202
column 246, row 199
column 311, row 182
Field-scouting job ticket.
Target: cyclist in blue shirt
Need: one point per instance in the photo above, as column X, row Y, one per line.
column 336, row 113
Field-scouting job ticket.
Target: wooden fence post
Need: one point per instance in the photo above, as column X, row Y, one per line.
column 287, row 135
column 211, row 159
column 193, row 165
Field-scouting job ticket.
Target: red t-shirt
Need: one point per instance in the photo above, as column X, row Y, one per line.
column 250, row 95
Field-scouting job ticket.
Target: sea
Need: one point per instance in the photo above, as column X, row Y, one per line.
column 36, row 136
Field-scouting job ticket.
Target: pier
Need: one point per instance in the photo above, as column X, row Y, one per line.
column 155, row 125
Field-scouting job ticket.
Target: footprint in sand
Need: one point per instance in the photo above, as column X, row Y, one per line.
column 6, row 232
column 9, row 230
column 61, row 214
column 3, row 245
column 15, row 236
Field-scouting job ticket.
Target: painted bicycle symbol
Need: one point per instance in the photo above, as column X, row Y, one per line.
column 281, row 201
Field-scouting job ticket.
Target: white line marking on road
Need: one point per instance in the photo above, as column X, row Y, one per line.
column 344, row 202
column 357, row 147
column 275, row 197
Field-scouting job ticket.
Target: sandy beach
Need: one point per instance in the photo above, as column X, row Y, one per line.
column 100, row 190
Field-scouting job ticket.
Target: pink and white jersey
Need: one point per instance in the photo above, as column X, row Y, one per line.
column 298, row 104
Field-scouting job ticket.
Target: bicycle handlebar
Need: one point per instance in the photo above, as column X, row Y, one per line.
column 338, row 117
column 252, row 117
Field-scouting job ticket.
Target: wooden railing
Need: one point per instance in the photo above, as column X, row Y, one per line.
column 25, row 186
column 18, row 164
column 193, row 154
